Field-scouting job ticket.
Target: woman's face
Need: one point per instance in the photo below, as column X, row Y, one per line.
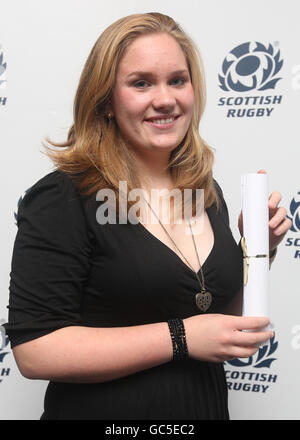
column 153, row 97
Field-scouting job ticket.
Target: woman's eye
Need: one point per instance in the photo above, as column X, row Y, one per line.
column 141, row 84
column 178, row 81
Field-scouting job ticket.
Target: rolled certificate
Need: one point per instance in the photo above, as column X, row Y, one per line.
column 255, row 244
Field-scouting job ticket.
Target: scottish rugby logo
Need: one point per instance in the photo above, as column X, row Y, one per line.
column 263, row 357
column 250, row 66
column 2, row 71
column 246, row 374
column 4, row 351
column 293, row 240
column 295, row 213
column 18, row 205
column 3, row 81
column 3, row 342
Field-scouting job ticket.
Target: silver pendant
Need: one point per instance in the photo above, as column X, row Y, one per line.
column 203, row 300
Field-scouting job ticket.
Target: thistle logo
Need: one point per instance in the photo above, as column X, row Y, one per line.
column 3, row 81
column 261, row 359
column 295, row 213
column 251, row 66
column 3, row 351
column 253, row 380
column 19, row 203
column 2, row 72
column 295, row 218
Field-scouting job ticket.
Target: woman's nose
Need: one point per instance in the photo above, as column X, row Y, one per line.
column 163, row 98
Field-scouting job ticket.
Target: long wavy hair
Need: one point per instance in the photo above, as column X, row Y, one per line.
column 95, row 154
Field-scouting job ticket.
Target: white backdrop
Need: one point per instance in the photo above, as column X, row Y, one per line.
column 43, row 46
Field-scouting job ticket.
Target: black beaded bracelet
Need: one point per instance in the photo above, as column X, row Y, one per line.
column 177, row 332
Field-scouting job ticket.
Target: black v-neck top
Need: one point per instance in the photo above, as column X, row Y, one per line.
column 68, row 270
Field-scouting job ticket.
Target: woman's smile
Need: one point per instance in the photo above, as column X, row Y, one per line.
column 162, row 122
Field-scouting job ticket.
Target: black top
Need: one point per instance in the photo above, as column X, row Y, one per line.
column 67, row 269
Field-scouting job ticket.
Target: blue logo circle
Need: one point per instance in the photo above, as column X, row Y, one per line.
column 250, row 66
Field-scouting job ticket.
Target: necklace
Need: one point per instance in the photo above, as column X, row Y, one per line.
column 203, row 298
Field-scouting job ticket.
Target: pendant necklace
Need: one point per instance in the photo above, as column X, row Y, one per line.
column 203, row 298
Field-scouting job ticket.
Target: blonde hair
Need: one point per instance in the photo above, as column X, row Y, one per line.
column 95, row 154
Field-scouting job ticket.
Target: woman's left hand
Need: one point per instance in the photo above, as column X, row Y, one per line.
column 279, row 224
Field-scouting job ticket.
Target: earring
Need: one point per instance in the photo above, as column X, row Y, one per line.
column 109, row 116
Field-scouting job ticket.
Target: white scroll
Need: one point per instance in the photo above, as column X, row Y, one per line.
column 255, row 244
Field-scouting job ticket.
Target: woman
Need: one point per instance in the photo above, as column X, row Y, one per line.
column 107, row 311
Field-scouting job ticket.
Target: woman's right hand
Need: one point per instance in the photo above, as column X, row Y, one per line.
column 219, row 338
